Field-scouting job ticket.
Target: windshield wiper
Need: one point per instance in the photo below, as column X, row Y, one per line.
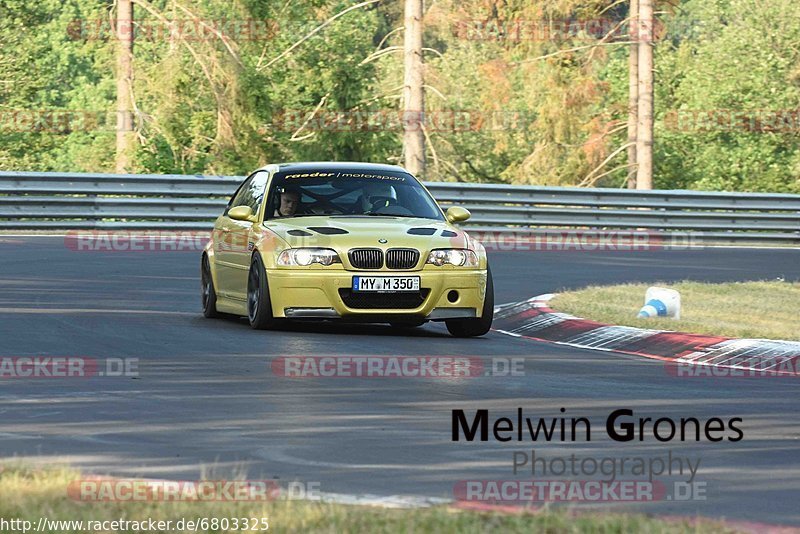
column 370, row 214
column 367, row 214
column 373, row 214
column 293, row 217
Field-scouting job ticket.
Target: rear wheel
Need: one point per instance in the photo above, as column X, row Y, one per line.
column 479, row 325
column 209, row 293
column 259, row 306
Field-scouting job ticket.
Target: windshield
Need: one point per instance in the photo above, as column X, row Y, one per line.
column 349, row 193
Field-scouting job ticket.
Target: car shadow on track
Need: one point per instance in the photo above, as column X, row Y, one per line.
column 340, row 327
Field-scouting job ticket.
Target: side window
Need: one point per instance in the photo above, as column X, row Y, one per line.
column 251, row 192
column 233, row 202
column 258, row 188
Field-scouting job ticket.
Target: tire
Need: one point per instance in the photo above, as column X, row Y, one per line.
column 209, row 294
column 259, row 306
column 479, row 325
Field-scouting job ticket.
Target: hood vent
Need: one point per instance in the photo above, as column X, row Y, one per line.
column 422, row 231
column 448, row 233
column 328, row 230
column 299, row 233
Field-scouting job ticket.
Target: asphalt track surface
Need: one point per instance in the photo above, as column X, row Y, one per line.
column 207, row 402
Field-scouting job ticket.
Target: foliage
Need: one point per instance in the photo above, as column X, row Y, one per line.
column 545, row 108
column 27, row 494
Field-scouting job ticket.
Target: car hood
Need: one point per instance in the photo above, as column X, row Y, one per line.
column 345, row 232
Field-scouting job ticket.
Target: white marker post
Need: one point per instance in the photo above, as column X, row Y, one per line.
column 661, row 302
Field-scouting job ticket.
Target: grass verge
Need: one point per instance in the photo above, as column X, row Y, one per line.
column 28, row 494
column 741, row 310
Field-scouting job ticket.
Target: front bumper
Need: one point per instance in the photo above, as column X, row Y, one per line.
column 321, row 294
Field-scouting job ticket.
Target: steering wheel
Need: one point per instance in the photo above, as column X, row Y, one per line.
column 382, row 202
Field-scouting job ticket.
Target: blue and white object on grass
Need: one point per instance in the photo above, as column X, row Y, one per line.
column 661, row 302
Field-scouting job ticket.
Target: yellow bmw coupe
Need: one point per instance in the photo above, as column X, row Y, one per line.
column 345, row 241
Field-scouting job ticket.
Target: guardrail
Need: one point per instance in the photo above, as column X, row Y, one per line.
column 50, row 201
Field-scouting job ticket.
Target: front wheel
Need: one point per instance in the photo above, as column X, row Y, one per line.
column 479, row 325
column 259, row 306
column 207, row 286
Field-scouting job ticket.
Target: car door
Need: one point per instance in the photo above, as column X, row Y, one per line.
column 235, row 239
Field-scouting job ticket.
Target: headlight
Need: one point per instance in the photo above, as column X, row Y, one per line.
column 306, row 256
column 453, row 256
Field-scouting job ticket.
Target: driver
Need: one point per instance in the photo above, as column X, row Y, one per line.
column 377, row 196
column 288, row 203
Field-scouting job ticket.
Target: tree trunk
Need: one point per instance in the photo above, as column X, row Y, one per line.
column 644, row 134
column 413, row 92
column 633, row 93
column 124, row 29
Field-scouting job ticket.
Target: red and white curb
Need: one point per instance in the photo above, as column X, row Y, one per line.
column 534, row 319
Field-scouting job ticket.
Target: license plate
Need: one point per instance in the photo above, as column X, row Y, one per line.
column 385, row 284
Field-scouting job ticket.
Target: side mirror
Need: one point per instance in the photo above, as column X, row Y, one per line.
column 457, row 214
column 242, row 213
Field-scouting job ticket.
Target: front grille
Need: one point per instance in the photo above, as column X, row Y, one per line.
column 387, row 301
column 366, row 258
column 402, row 258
